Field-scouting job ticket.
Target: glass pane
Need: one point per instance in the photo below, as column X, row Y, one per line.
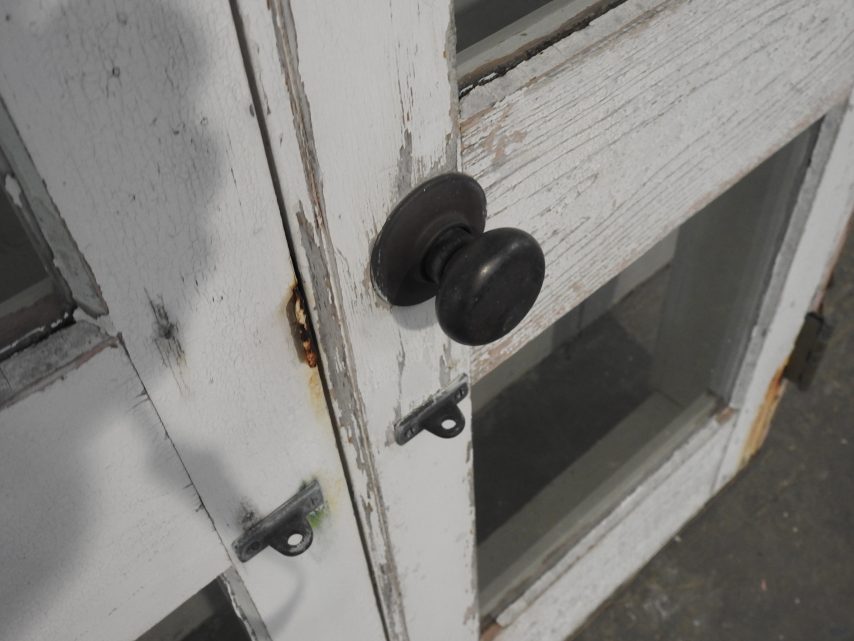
column 206, row 616
column 31, row 298
column 567, row 402
column 492, row 33
column 477, row 19
column 20, row 267
column 571, row 423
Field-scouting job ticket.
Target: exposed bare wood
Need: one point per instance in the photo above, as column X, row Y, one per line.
column 762, row 422
column 825, row 204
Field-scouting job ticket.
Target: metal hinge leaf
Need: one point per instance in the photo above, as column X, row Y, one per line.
column 808, row 351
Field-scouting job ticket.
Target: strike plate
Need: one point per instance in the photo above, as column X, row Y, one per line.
column 440, row 415
column 286, row 529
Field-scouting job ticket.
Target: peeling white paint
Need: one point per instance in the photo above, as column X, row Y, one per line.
column 136, row 115
column 13, row 189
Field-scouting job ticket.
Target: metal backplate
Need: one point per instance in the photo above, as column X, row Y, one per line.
column 444, row 202
column 440, row 415
column 286, row 529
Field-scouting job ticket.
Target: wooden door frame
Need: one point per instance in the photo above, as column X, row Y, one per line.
column 360, row 105
column 694, row 469
column 344, row 150
column 102, row 536
column 141, row 125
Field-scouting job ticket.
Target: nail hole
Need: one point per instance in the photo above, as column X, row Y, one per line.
column 294, row 539
column 449, row 424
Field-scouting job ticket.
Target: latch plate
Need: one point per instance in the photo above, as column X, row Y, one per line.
column 439, row 415
column 286, row 529
column 809, row 349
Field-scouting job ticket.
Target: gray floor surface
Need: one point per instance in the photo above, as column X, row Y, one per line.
column 772, row 556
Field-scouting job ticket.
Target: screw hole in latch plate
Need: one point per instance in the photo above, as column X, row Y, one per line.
column 286, row 529
column 440, row 415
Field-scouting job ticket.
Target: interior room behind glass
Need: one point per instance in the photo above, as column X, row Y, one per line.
column 569, row 424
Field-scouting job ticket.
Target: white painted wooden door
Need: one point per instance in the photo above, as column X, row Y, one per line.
column 177, row 406
column 599, row 141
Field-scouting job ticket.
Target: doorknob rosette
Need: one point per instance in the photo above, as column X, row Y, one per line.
column 434, row 245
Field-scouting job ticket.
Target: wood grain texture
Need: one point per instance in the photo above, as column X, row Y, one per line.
column 359, row 105
column 103, row 534
column 605, row 142
column 140, row 120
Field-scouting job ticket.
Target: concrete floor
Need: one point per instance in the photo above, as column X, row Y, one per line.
column 772, row 556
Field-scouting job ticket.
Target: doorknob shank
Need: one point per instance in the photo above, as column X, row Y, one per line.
column 433, row 244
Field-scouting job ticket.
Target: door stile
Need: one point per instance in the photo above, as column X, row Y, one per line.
column 360, row 106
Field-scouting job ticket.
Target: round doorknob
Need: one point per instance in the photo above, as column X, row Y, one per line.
column 433, row 244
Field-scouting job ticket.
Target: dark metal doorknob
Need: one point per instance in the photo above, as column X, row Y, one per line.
column 433, row 244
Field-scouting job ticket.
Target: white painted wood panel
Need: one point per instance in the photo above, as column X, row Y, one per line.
column 102, row 532
column 359, row 103
column 623, row 542
column 605, row 142
column 139, row 118
column 43, row 362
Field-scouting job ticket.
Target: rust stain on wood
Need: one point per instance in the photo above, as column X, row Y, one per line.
column 762, row 422
column 297, row 315
column 317, row 395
